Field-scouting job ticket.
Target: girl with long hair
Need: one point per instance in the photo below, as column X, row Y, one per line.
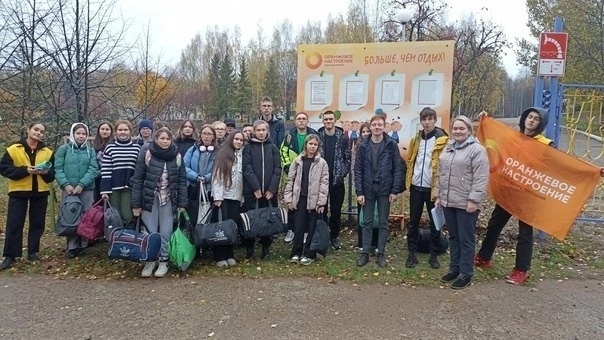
column 227, row 190
column 185, row 136
column 104, row 136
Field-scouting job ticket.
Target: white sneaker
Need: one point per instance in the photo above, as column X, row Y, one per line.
column 231, row 262
column 295, row 259
column 162, row 269
column 289, row 236
column 306, row 261
column 360, row 250
column 148, row 270
column 222, row 264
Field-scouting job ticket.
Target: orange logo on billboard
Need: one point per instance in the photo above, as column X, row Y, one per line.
column 313, row 60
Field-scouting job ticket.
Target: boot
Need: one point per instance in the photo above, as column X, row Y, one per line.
column 362, row 261
column 434, row 264
column 249, row 252
column 411, row 260
column 266, row 253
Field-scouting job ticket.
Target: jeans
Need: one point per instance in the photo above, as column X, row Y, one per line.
column 524, row 245
column 419, row 197
column 383, row 206
column 462, row 241
column 160, row 219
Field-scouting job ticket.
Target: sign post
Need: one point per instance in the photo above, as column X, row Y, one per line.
column 552, row 54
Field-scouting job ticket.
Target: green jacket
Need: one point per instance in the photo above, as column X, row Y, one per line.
column 76, row 165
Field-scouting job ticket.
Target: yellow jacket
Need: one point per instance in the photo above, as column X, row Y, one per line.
column 20, row 181
column 441, row 141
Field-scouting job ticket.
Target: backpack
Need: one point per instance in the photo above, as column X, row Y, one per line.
column 91, row 226
column 70, row 215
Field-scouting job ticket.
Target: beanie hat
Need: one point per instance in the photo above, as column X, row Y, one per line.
column 145, row 123
column 229, row 122
column 302, row 113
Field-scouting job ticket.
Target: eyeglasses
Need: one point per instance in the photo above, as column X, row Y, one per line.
column 207, row 134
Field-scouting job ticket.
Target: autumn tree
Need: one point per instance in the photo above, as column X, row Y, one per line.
column 244, row 102
column 584, row 22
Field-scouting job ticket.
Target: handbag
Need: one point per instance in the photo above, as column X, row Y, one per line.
column 182, row 251
column 112, row 219
column 320, row 238
column 221, row 233
column 264, row 222
column 134, row 244
column 92, row 225
column 204, row 206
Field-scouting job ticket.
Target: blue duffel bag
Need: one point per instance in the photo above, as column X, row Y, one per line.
column 134, row 245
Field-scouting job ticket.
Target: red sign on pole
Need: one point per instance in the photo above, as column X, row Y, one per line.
column 552, row 53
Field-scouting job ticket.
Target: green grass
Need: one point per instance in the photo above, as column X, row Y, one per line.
column 578, row 257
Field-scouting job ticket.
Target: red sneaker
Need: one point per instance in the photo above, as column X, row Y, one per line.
column 482, row 263
column 517, row 277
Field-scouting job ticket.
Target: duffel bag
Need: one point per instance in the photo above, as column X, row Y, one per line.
column 134, row 244
column 221, row 233
column 264, row 222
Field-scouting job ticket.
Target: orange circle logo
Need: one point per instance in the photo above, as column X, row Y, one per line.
column 313, row 60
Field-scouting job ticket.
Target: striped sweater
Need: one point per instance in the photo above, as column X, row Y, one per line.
column 117, row 166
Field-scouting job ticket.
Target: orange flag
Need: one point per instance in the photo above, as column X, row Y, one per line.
column 537, row 183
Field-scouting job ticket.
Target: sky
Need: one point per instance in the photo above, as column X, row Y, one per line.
column 173, row 23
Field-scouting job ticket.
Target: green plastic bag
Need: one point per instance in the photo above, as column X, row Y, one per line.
column 376, row 217
column 182, row 251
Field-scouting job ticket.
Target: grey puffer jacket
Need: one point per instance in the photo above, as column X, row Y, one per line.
column 147, row 174
column 463, row 174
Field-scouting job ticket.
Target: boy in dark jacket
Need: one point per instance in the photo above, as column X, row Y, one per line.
column 378, row 178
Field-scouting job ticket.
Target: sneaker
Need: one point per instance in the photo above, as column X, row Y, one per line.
column 481, row 262
column 517, row 277
column 72, row 253
column 162, row 269
column 449, row 277
column 148, row 270
column 305, row 261
column 335, row 243
column 461, row 282
column 295, row 259
column 411, row 261
column 266, row 253
column 222, row 264
column 360, row 250
column 363, row 260
column 33, row 257
column 381, row 261
column 434, row 264
column 7, row 263
column 289, row 236
column 231, row 262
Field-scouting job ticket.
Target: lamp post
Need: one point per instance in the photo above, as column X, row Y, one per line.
column 404, row 15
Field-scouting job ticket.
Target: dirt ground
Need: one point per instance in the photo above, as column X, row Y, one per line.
column 40, row 307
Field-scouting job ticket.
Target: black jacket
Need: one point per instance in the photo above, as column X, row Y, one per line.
column 147, row 174
column 389, row 178
column 261, row 167
column 342, row 156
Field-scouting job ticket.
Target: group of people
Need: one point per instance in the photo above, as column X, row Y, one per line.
column 157, row 174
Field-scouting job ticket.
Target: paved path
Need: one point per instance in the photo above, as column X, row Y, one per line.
column 41, row 307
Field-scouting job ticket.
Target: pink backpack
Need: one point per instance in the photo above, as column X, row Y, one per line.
column 92, row 224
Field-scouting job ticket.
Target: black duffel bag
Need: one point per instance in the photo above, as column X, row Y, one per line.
column 423, row 242
column 221, row 233
column 264, row 222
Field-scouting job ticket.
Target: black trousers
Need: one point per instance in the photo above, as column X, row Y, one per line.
column 524, row 246
column 249, row 204
column 305, row 222
column 15, row 221
column 418, row 198
column 335, row 202
column 230, row 210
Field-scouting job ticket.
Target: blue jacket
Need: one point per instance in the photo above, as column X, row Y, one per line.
column 389, row 178
column 191, row 161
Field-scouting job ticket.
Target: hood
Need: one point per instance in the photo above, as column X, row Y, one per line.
column 71, row 132
column 437, row 132
column 542, row 112
column 471, row 140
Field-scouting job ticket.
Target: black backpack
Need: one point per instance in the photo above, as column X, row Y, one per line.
column 70, row 215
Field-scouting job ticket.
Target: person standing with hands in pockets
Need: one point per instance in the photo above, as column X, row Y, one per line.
column 306, row 194
column 463, row 176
